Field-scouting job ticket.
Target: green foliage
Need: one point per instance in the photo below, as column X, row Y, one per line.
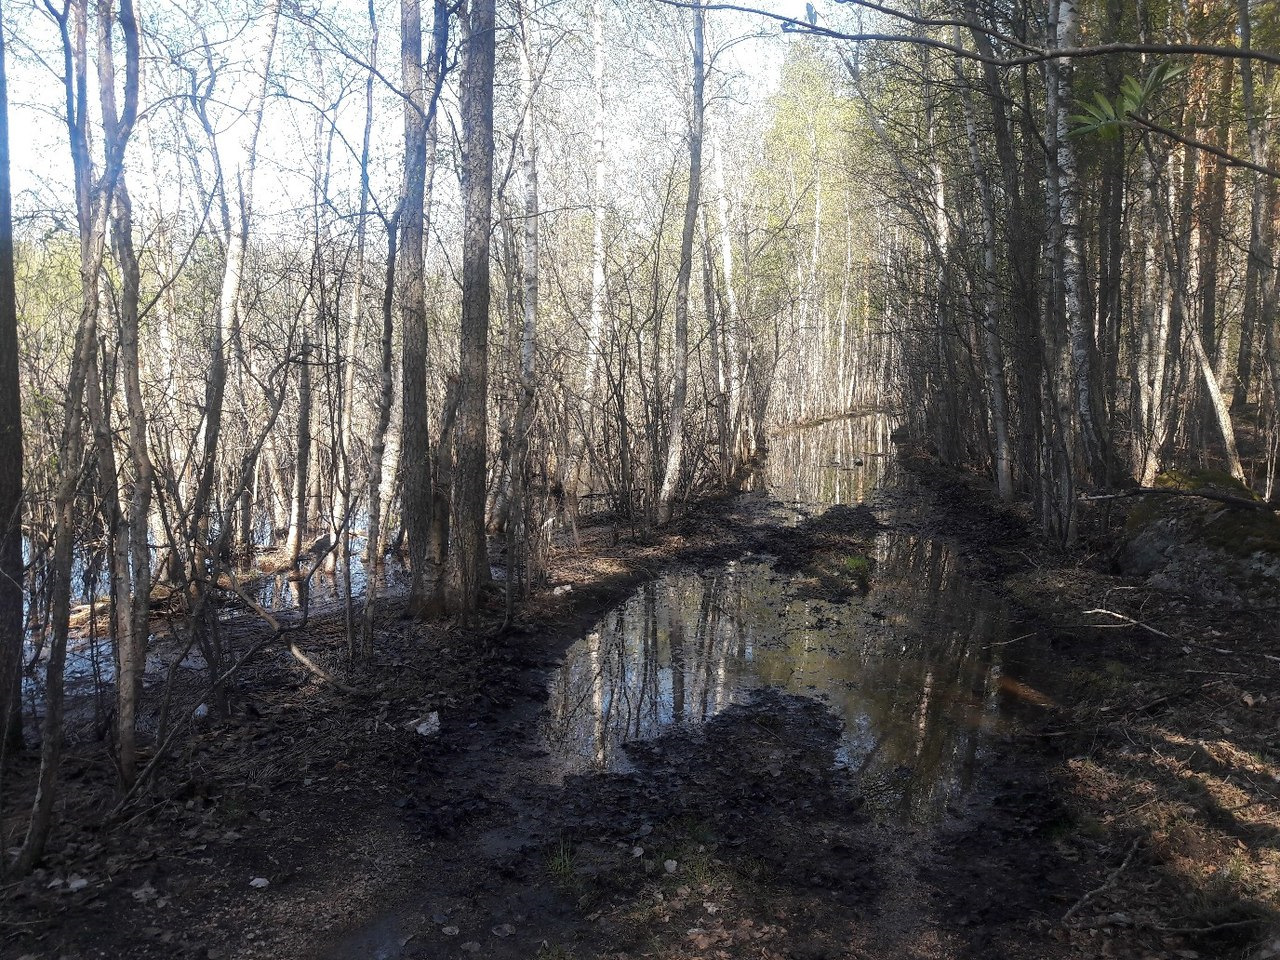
column 1108, row 117
column 560, row 863
column 858, row 565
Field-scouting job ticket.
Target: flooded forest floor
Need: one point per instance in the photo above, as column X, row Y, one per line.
column 903, row 728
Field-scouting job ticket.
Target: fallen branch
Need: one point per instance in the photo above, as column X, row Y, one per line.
column 161, row 750
column 1213, row 928
column 1107, row 884
column 322, row 674
column 1131, row 622
column 1243, row 503
column 307, row 663
column 1230, row 653
column 1005, row 643
column 1190, row 643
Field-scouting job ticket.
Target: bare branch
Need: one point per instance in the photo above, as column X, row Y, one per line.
column 1229, row 158
column 1033, row 54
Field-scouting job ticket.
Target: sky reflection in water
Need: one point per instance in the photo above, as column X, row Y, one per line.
column 913, row 667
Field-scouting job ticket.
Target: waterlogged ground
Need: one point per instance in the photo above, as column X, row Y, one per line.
column 853, row 714
column 911, row 667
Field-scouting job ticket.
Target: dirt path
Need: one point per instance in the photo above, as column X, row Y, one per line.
column 742, row 837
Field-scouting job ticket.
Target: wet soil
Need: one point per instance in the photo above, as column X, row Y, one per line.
column 1132, row 811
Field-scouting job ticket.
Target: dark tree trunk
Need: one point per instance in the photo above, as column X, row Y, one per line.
column 472, row 567
column 10, row 455
column 418, row 498
column 416, row 494
column 675, row 446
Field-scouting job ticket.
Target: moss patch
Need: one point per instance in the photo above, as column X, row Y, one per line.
column 1192, row 480
column 1238, row 533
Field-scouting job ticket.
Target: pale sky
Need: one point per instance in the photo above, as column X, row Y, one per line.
column 39, row 152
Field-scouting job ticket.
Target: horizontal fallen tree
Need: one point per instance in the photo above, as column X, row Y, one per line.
column 1243, row 503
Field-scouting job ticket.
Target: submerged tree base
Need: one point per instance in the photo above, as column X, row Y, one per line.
column 1127, row 814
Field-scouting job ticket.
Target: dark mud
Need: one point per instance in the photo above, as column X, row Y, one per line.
column 742, row 836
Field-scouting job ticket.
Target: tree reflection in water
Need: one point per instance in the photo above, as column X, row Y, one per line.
column 840, row 461
column 913, row 667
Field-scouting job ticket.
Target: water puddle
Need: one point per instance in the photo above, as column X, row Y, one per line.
column 919, row 667
column 842, row 461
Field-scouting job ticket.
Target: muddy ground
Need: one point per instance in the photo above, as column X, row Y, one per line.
column 1137, row 816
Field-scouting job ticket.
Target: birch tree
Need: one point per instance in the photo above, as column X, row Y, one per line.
column 675, row 423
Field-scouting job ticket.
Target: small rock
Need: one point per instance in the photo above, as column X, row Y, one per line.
column 427, row 726
column 670, row 866
column 503, row 930
column 76, row 883
column 637, row 851
column 450, row 931
column 259, row 883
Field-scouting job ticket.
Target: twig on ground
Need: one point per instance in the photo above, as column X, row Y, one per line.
column 321, row 673
column 1106, row 884
column 310, row 665
column 1005, row 643
column 1130, row 621
column 1230, row 653
column 145, row 774
column 1212, row 928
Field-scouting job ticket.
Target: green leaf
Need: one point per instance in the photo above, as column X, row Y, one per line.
column 1096, row 114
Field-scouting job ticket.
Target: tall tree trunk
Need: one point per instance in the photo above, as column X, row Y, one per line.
column 595, row 329
column 343, row 505
column 91, row 219
column 416, row 446
column 11, row 621
column 727, row 370
column 243, row 173
column 133, row 554
column 471, row 568
column 1258, row 265
column 992, row 348
column 1061, row 443
column 378, row 447
column 1092, row 434
column 420, row 503
column 298, row 517
column 675, row 445
column 125, row 504
column 518, row 528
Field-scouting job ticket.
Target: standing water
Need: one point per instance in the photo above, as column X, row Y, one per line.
column 914, row 665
